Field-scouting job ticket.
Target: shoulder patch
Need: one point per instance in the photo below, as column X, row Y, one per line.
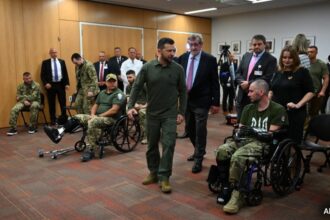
column 119, row 96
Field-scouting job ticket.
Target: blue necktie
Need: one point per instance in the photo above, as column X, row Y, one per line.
column 55, row 71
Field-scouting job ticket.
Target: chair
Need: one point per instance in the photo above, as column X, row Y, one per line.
column 71, row 106
column 318, row 129
column 41, row 109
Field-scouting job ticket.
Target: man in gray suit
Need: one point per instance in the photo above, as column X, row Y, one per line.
column 254, row 65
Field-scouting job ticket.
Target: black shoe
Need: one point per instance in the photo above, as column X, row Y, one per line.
column 87, row 156
column 32, row 130
column 184, row 135
column 224, row 195
column 197, row 167
column 12, row 132
column 53, row 134
column 191, row 158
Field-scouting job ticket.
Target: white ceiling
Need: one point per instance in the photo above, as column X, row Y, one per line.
column 225, row 7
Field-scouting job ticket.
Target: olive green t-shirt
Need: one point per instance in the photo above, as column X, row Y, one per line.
column 166, row 88
column 142, row 97
column 275, row 114
column 105, row 101
column 317, row 71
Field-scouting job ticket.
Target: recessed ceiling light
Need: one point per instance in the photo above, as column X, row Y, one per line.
column 259, row 1
column 200, row 11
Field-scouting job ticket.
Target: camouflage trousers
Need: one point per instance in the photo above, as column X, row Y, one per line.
column 94, row 127
column 143, row 122
column 34, row 110
column 83, row 103
column 247, row 150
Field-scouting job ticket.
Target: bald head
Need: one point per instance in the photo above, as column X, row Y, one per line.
column 53, row 53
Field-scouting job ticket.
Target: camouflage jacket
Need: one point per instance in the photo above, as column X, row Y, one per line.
column 86, row 78
column 28, row 92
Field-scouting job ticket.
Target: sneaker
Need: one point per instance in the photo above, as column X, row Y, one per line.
column 151, row 178
column 144, row 141
column 12, row 132
column 53, row 134
column 87, row 156
column 32, row 130
column 165, row 186
column 235, row 203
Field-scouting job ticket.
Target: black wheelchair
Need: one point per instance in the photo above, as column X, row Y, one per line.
column 279, row 167
column 124, row 135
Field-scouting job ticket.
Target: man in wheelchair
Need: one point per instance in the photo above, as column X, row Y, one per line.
column 259, row 119
column 109, row 105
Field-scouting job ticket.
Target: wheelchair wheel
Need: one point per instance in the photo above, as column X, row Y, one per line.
column 254, row 197
column 80, row 146
column 125, row 134
column 215, row 187
column 285, row 169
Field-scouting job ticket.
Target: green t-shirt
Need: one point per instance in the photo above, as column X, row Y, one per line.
column 317, row 71
column 105, row 101
column 275, row 114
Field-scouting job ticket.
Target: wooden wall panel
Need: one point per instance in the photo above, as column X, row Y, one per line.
column 110, row 14
column 126, row 38
column 150, row 43
column 9, row 74
column 68, row 10
column 179, row 38
column 150, row 19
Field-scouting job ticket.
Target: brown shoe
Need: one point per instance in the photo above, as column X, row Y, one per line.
column 165, row 186
column 150, row 179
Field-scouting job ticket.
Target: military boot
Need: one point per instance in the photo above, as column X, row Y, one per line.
column 151, row 178
column 165, row 186
column 235, row 203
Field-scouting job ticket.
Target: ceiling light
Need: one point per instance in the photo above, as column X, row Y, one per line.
column 259, row 1
column 200, row 11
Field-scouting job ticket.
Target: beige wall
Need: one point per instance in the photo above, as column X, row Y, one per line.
column 30, row 28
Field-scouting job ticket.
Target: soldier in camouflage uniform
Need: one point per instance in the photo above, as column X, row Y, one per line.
column 87, row 87
column 264, row 116
column 107, row 108
column 28, row 95
column 141, row 103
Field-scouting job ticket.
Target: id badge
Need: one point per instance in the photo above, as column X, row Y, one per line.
column 105, row 66
column 258, row 73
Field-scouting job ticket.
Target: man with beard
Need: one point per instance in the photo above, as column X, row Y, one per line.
column 165, row 85
column 265, row 117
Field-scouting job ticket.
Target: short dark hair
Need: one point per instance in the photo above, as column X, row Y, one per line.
column 163, row 41
column 26, row 74
column 130, row 72
column 259, row 37
column 116, row 48
column 75, row 56
column 314, row 47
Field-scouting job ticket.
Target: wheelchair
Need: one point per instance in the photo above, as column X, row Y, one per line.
column 279, row 168
column 124, row 135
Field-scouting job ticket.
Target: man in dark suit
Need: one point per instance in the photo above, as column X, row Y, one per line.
column 254, row 65
column 115, row 64
column 54, row 76
column 203, row 95
column 102, row 68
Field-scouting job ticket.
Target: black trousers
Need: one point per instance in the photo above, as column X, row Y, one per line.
column 297, row 119
column 196, row 119
column 228, row 95
column 59, row 90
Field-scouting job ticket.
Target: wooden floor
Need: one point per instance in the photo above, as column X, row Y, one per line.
column 42, row 188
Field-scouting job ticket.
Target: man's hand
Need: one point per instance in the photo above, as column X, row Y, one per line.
column 67, row 87
column 244, row 85
column 214, row 109
column 48, row 86
column 90, row 94
column 321, row 94
column 292, row 105
column 131, row 113
column 179, row 119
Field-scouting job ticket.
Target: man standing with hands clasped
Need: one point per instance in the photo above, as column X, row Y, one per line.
column 165, row 85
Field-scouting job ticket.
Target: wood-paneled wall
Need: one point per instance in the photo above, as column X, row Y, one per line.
column 29, row 28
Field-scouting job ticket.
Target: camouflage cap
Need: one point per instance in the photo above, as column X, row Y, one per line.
column 111, row 76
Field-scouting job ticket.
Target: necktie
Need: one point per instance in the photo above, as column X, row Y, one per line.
column 118, row 60
column 101, row 74
column 253, row 62
column 190, row 74
column 55, row 71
